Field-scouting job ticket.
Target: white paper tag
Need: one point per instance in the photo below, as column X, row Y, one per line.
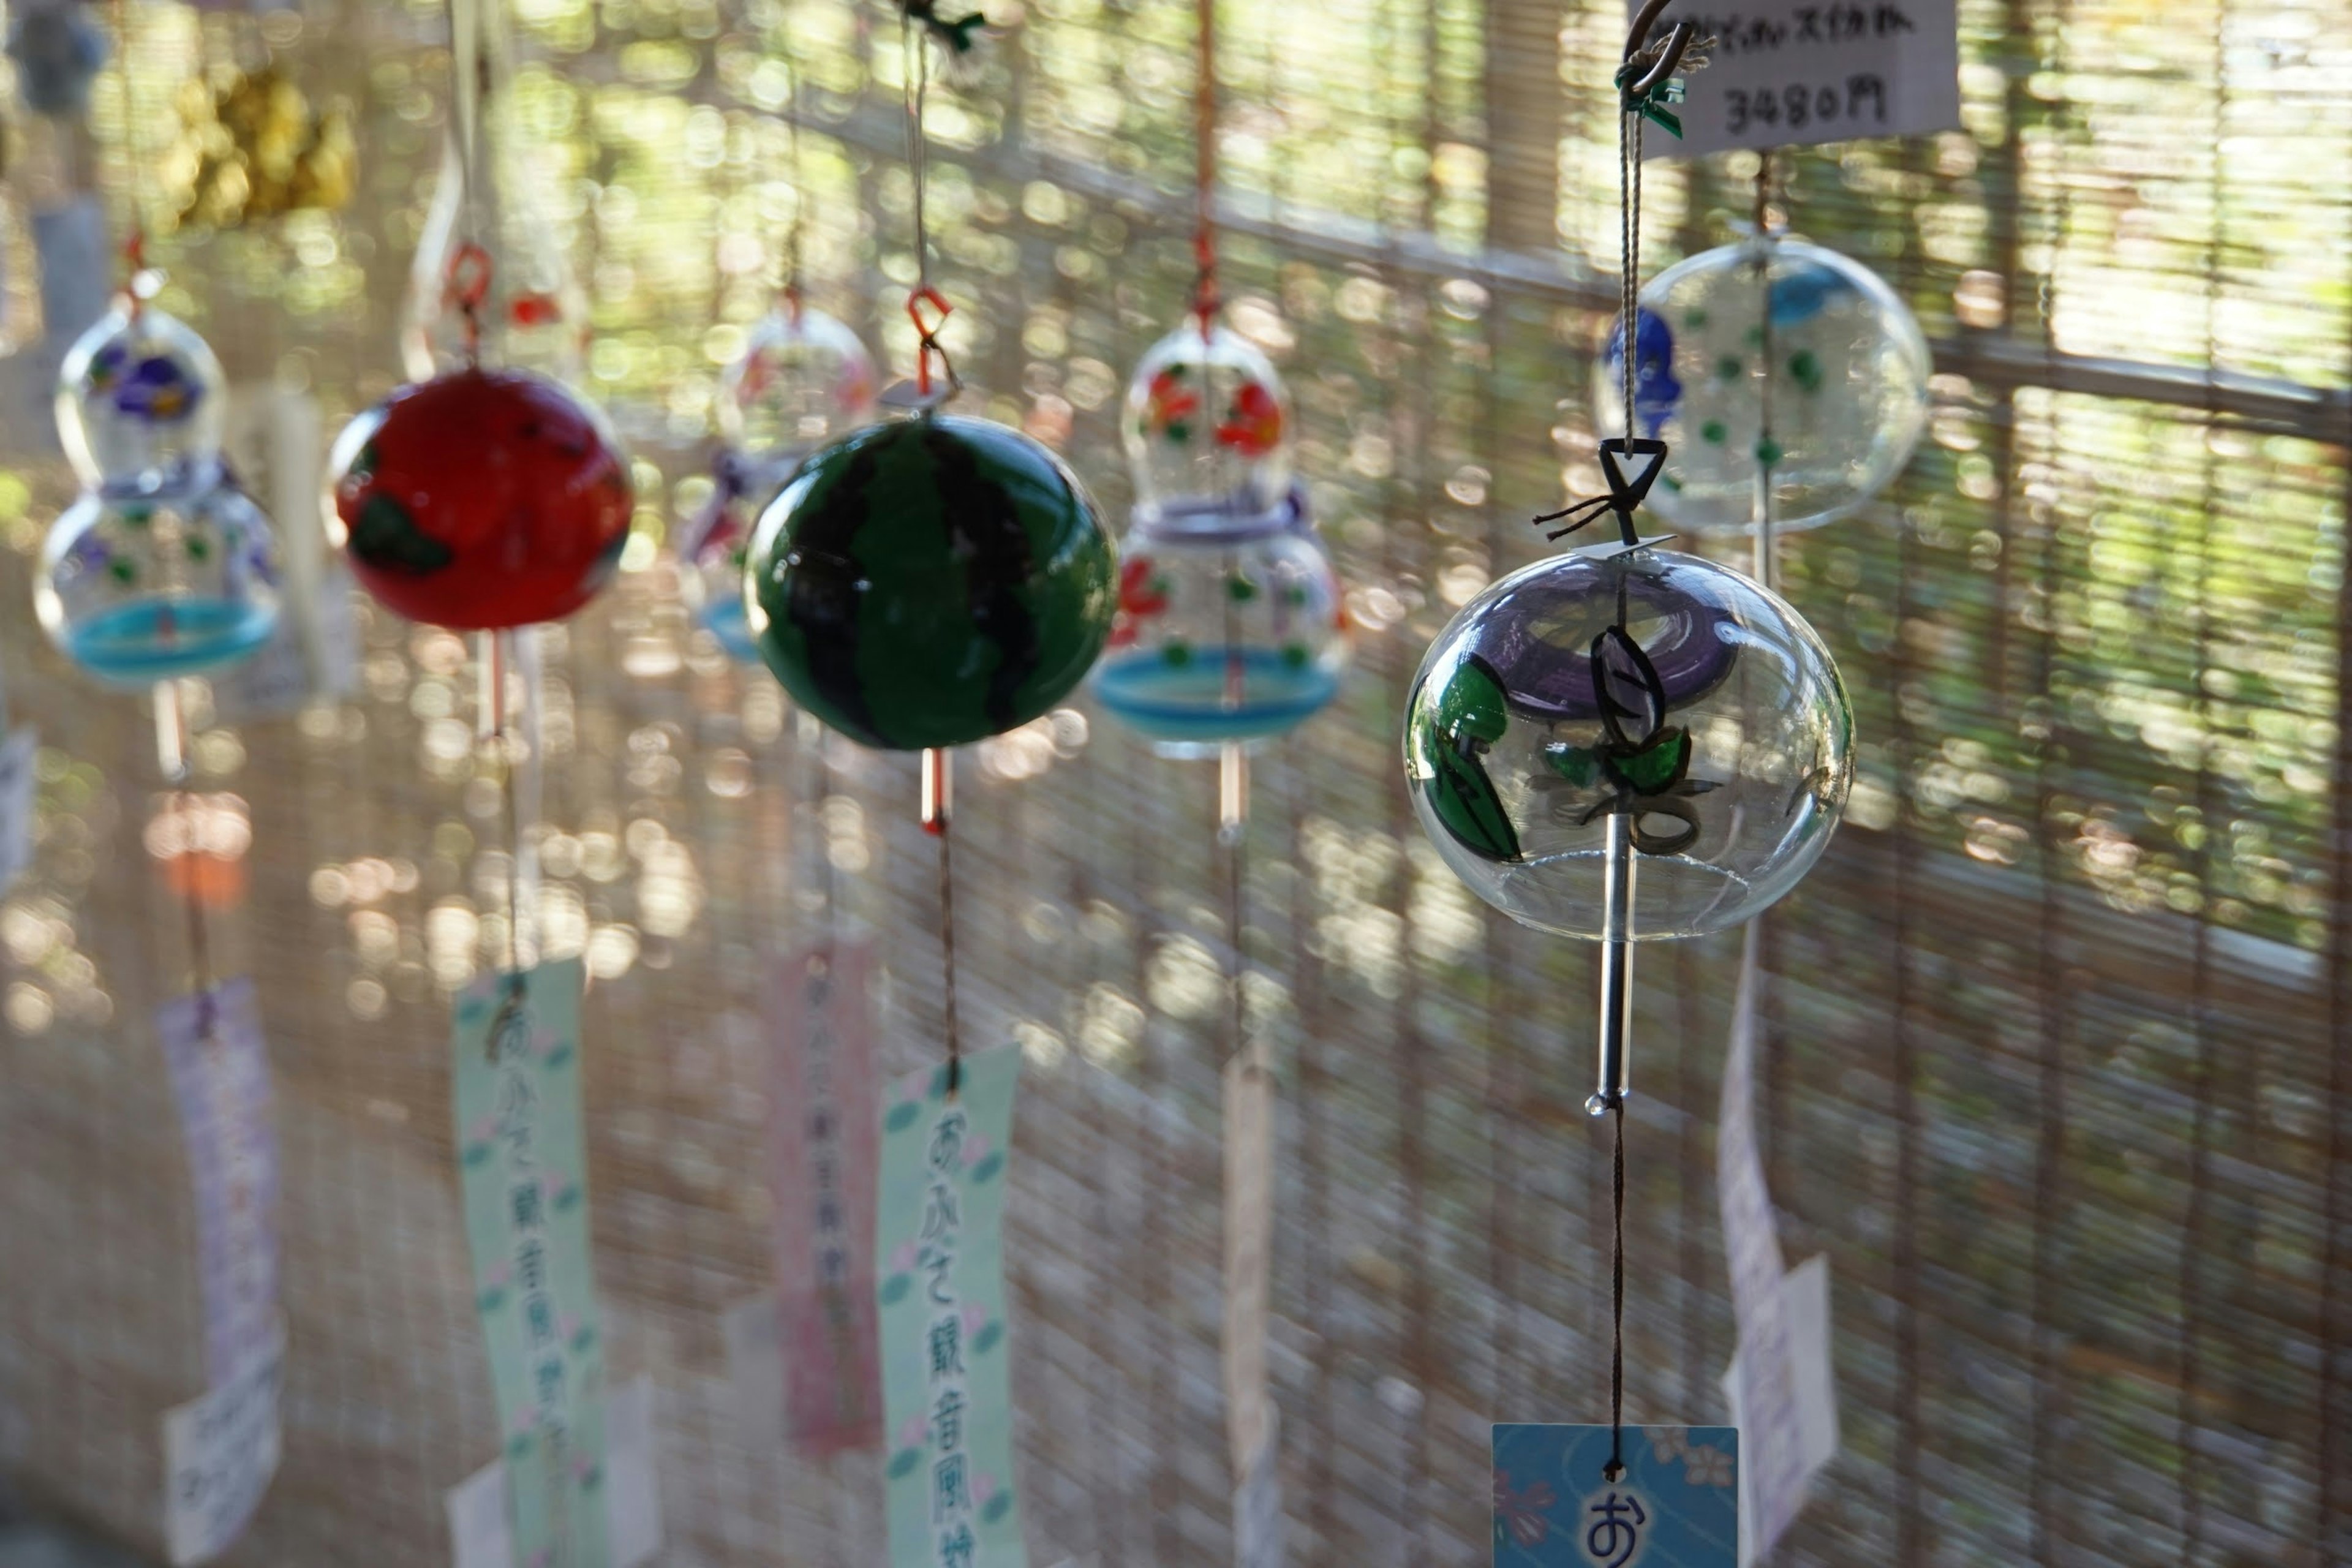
column 1805, row 1317
column 477, row 1507
column 16, row 804
column 1784, row 74
column 220, row 1450
column 755, row 1374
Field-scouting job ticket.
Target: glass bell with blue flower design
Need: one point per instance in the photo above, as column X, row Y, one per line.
column 1786, row 379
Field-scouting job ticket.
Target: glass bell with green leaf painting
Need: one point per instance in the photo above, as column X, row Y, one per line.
column 1774, row 362
column 142, row 585
column 1231, row 626
column 1642, row 689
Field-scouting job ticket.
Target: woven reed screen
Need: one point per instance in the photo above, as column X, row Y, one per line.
column 2057, row 1062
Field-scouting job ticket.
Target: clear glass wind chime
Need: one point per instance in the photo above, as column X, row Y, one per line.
column 803, row 380
column 1624, row 742
column 164, row 568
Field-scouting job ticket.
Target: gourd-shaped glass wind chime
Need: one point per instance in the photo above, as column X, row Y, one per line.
column 932, row 579
column 1624, row 742
column 803, row 380
column 1230, row 629
column 164, row 567
column 483, row 499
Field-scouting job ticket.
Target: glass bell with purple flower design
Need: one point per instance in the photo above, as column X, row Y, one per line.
column 140, row 401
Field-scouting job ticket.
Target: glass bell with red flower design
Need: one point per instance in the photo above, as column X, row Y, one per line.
column 1231, row 627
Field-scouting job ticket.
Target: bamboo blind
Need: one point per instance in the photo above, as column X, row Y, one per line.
column 2056, row 1062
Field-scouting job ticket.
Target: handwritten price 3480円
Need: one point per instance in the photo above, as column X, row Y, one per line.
column 1862, row 99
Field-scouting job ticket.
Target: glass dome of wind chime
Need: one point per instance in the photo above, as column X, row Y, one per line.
column 1626, row 742
column 803, row 380
column 1788, row 381
column 164, row 567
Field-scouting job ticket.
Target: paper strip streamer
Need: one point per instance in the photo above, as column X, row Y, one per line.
column 1249, row 1246
column 522, row 1161
column 17, row 784
column 1768, row 1357
column 1675, row 1507
column 220, row 1077
column 947, row 1403
column 824, row 1119
column 221, row 1448
column 220, row 1451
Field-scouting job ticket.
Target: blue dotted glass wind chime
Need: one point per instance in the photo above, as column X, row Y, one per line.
column 1623, row 742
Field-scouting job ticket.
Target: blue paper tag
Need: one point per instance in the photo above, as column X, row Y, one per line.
column 1676, row 1506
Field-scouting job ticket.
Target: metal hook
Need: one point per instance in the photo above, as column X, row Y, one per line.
column 1672, row 48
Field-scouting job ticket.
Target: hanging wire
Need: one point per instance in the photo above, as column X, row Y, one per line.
column 1206, row 302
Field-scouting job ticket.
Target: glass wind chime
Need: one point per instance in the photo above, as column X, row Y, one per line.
column 484, row 499
column 164, row 568
column 933, row 579
column 1788, row 381
column 802, row 381
column 1626, row 743
column 1230, row 627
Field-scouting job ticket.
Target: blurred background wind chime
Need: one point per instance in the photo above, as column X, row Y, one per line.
column 163, row 569
column 1624, row 742
column 1230, row 633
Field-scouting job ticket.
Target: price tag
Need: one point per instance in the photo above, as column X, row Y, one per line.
column 1790, row 75
column 16, row 783
column 1676, row 1506
column 220, row 1451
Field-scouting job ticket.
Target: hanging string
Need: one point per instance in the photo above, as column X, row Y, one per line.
column 1767, row 450
column 1206, row 302
column 793, row 229
column 926, row 306
column 136, row 284
column 171, row 762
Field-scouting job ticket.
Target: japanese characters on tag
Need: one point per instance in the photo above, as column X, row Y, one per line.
column 1785, row 75
column 947, row 1399
column 1676, row 1505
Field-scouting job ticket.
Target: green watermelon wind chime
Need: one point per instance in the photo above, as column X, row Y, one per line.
column 922, row 583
